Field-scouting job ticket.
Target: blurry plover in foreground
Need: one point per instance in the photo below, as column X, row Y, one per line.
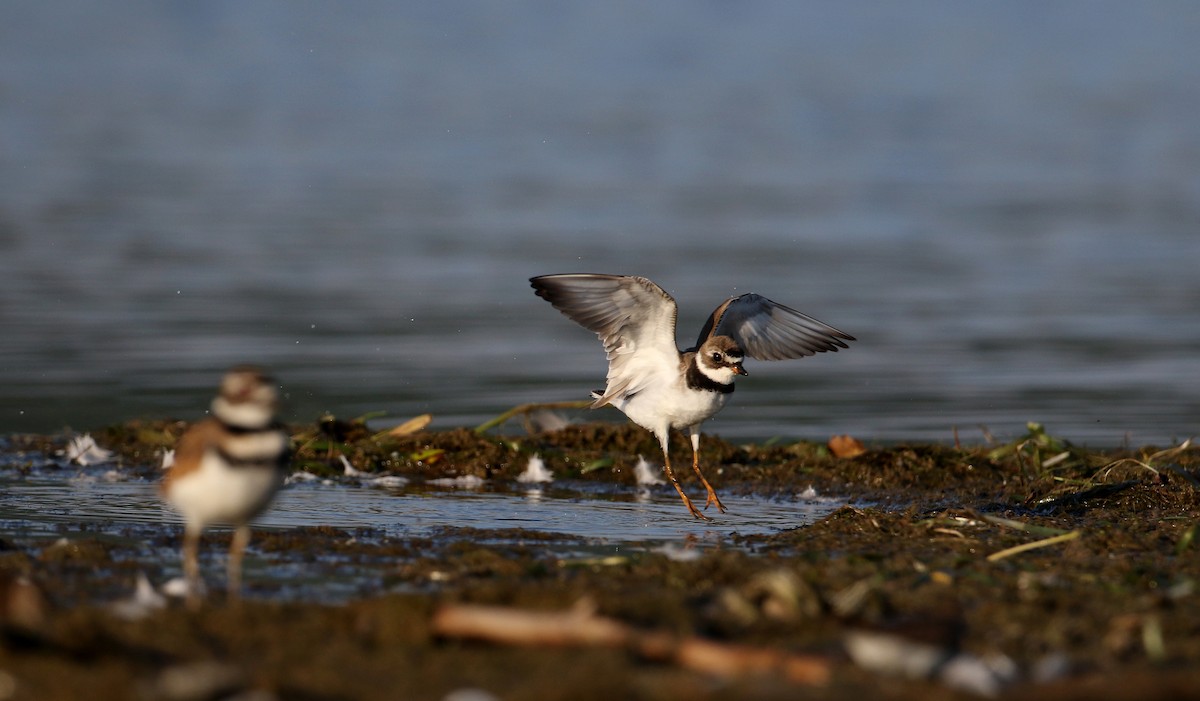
column 227, row 469
column 650, row 380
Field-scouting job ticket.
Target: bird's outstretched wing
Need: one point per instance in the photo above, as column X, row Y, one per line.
column 769, row 331
column 633, row 317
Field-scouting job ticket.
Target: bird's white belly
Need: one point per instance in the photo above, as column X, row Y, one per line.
column 674, row 406
column 218, row 493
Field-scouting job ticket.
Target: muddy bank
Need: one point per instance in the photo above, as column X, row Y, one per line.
column 1032, row 568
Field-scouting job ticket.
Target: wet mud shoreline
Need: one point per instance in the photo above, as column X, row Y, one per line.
column 1030, row 569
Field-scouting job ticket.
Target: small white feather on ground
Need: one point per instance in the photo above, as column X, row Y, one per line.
column 82, row 450
column 536, row 472
column 646, row 474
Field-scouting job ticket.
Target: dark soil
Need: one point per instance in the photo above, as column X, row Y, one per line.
column 1109, row 610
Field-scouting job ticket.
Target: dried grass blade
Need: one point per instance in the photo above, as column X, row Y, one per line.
column 1046, row 542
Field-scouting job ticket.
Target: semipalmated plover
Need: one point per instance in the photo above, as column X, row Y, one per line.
column 227, row 469
column 650, row 380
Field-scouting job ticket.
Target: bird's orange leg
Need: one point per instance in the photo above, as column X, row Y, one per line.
column 712, row 494
column 233, row 574
column 675, row 483
column 191, row 564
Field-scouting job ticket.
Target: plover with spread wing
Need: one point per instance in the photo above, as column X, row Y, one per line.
column 660, row 388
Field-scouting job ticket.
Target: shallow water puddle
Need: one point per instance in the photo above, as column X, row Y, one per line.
column 587, row 520
column 49, row 507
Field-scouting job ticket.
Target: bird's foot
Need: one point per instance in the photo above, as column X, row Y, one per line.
column 692, row 508
column 713, row 499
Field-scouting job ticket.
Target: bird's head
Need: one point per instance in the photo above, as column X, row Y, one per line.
column 247, row 398
column 720, row 359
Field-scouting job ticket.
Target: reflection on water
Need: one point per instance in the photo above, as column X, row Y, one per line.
column 1000, row 202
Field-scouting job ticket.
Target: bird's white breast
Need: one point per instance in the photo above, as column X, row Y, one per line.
column 217, row 492
column 671, row 405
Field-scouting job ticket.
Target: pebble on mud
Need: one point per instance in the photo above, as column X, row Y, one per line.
column 78, row 551
column 196, row 681
column 22, row 605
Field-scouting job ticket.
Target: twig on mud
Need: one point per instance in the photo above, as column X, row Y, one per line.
column 1052, row 461
column 950, row 531
column 1105, row 471
column 1022, row 526
column 725, row 660
column 407, row 428
column 1045, row 542
column 529, row 408
column 849, row 601
column 580, row 626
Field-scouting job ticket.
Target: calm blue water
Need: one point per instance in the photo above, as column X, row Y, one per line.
column 1002, row 201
